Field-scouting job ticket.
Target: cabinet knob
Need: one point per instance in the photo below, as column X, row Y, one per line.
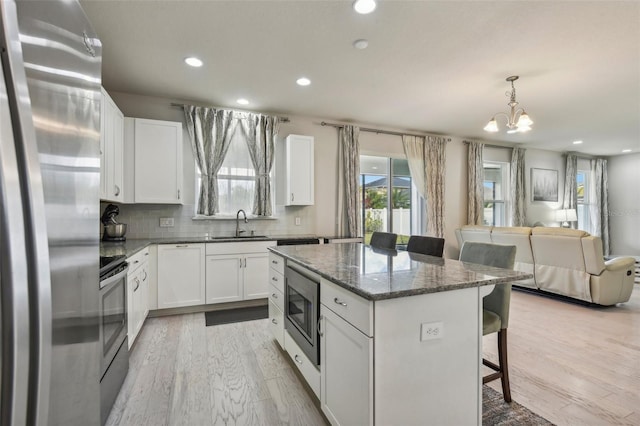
column 275, row 321
column 297, row 359
column 116, row 190
column 274, row 279
column 275, row 262
column 275, row 296
column 292, row 196
column 320, row 327
column 178, row 194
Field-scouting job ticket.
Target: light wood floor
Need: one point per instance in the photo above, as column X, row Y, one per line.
column 573, row 365
column 183, row 373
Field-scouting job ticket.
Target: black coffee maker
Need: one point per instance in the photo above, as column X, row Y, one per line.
column 113, row 231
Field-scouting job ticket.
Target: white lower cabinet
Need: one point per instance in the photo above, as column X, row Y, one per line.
column 346, row 379
column 181, row 275
column 237, row 271
column 138, row 279
column 276, row 323
column 306, row 367
column 224, row 278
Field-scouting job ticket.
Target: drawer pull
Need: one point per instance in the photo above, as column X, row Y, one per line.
column 275, row 321
column 275, row 296
column 182, row 245
column 275, row 262
column 297, row 359
column 274, row 279
column 339, row 302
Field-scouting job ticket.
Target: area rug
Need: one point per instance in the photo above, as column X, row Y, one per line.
column 497, row 412
column 236, row 315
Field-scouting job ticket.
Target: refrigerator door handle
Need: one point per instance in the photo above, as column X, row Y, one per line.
column 34, row 220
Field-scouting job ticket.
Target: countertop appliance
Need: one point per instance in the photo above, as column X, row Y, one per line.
column 49, row 192
column 113, row 231
column 114, row 361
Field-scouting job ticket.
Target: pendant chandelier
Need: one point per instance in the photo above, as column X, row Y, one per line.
column 518, row 120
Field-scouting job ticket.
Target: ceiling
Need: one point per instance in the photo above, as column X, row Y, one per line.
column 431, row 66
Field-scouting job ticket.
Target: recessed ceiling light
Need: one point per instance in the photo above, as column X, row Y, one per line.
column 364, row 6
column 303, row 81
column 243, row 101
column 626, row 150
column 361, row 44
column 577, row 142
column 193, row 61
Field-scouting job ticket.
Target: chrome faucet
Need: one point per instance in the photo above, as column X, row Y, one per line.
column 238, row 230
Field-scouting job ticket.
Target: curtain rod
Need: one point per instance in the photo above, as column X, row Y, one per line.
column 281, row 119
column 491, row 146
column 365, row 129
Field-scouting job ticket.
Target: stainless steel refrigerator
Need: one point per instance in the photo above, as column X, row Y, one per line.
column 49, row 212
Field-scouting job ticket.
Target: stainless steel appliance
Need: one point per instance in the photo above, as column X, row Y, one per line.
column 49, row 193
column 302, row 310
column 113, row 231
column 114, row 362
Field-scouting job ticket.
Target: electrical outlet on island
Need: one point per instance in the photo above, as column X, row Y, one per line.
column 297, row 221
column 166, row 222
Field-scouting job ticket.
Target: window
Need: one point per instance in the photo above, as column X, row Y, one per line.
column 388, row 198
column 582, row 181
column 236, row 178
column 496, row 184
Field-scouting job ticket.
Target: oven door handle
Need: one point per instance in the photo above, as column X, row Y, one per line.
column 114, row 278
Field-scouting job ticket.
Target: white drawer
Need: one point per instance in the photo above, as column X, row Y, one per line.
column 276, row 279
column 306, row 367
column 239, row 247
column 276, row 263
column 136, row 260
column 354, row 309
column 276, row 296
column 276, row 323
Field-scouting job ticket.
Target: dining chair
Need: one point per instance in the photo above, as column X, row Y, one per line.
column 431, row 246
column 384, row 240
column 495, row 305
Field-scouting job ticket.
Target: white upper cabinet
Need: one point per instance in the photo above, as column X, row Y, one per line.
column 111, row 150
column 154, row 161
column 295, row 171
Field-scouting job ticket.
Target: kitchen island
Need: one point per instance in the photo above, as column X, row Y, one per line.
column 400, row 334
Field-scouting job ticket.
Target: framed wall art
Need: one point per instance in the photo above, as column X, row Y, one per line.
column 544, row 185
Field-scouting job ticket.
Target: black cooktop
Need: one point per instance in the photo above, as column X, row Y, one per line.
column 107, row 263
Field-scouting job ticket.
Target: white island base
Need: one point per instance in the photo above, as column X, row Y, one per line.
column 404, row 361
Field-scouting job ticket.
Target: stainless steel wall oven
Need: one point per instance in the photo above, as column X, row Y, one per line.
column 302, row 310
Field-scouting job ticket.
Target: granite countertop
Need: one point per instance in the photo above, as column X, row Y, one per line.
column 132, row 246
column 379, row 274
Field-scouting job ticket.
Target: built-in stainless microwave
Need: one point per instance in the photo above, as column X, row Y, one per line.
column 302, row 310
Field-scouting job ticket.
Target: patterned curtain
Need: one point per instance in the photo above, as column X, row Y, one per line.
column 570, row 199
column 435, row 154
column 414, row 150
column 211, row 131
column 518, row 188
column 348, row 176
column 475, row 183
column 260, row 131
column 600, row 203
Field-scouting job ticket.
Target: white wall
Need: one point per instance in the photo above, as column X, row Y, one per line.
column 319, row 219
column 624, row 204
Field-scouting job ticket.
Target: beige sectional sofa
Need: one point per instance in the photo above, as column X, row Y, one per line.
column 563, row 261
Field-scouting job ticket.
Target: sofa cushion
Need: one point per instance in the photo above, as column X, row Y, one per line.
column 566, row 232
column 519, row 237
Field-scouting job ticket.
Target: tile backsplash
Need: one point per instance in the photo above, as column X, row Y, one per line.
column 143, row 221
